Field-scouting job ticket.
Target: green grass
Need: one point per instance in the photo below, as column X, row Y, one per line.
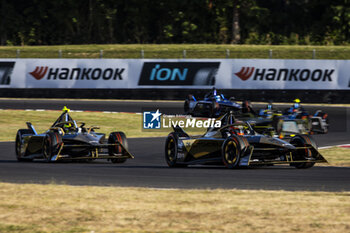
column 176, row 51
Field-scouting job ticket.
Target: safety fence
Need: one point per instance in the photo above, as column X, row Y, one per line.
column 275, row 53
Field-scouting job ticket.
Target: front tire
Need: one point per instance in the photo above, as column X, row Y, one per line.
column 19, row 145
column 303, row 154
column 115, row 137
column 51, row 145
column 231, row 152
column 171, row 151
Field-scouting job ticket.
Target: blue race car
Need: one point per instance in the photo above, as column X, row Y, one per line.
column 213, row 105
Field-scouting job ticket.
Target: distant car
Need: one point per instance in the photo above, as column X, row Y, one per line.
column 213, row 105
column 64, row 140
column 295, row 120
column 236, row 144
column 319, row 122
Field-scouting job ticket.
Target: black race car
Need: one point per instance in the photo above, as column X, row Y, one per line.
column 236, row 144
column 65, row 140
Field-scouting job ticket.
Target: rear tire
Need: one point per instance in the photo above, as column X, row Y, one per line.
column 51, row 145
column 19, row 145
column 205, row 76
column 302, row 154
column 113, row 150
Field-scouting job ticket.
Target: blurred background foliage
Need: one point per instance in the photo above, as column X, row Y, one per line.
column 268, row 22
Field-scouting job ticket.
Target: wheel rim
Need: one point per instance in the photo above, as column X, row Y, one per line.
column 171, row 150
column 231, row 152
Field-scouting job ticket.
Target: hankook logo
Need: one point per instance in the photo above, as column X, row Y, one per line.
column 245, row 73
column 272, row 74
column 39, row 72
column 77, row 73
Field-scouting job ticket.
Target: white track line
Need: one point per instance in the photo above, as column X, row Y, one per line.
column 327, row 147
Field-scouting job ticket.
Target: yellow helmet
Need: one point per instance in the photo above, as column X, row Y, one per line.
column 65, row 109
column 67, row 125
column 297, row 101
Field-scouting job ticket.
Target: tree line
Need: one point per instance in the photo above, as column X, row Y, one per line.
column 275, row 22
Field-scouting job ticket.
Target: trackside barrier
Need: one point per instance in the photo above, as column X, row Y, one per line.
column 238, row 75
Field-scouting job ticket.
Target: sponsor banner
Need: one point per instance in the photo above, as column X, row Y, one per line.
column 290, row 74
column 175, row 73
column 76, row 73
column 178, row 73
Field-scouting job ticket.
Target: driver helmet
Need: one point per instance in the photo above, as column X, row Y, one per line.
column 214, row 91
column 66, row 127
column 269, row 106
column 236, row 130
column 296, row 103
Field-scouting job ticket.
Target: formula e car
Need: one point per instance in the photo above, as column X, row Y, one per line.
column 317, row 123
column 236, row 144
column 213, row 105
column 64, row 140
column 296, row 120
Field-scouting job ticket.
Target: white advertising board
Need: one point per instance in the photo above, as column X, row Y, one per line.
column 176, row 73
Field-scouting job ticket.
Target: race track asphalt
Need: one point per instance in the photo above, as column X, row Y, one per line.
column 149, row 169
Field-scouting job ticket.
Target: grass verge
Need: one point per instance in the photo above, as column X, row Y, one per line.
column 336, row 156
column 130, row 123
column 176, row 51
column 63, row 208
